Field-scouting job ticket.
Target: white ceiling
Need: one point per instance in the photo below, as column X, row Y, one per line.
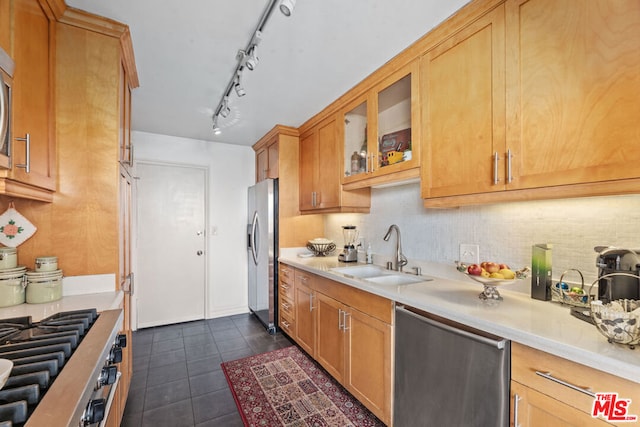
column 186, row 53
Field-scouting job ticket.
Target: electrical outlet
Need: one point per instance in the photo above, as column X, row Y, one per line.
column 469, row 254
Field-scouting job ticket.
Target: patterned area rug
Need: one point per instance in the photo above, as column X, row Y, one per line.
column 286, row 388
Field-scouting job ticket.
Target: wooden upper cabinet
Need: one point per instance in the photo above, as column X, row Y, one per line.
column 320, row 177
column 573, row 97
column 125, row 143
column 267, row 162
column 33, row 138
column 462, row 85
column 5, row 25
column 535, row 99
column 380, row 131
column 262, row 164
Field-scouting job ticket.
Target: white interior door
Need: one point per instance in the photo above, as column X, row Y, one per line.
column 171, row 277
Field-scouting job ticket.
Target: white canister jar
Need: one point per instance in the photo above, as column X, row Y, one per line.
column 44, row 291
column 46, row 263
column 8, row 258
column 12, row 291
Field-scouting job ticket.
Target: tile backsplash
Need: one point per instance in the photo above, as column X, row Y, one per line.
column 504, row 232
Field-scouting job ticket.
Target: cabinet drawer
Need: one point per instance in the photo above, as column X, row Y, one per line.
column 287, row 273
column 285, row 290
column 525, row 362
column 287, row 307
column 287, row 323
column 303, row 278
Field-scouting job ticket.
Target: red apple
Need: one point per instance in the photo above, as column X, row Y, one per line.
column 474, row 270
column 504, row 266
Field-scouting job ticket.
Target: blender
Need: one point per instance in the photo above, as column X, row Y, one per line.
column 349, row 253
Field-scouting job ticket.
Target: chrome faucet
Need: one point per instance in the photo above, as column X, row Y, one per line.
column 401, row 260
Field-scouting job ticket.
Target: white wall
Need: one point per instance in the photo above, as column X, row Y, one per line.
column 505, row 232
column 231, row 169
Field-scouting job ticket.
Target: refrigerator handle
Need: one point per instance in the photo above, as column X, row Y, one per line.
column 255, row 228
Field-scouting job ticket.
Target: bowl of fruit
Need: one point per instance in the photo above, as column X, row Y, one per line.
column 491, row 275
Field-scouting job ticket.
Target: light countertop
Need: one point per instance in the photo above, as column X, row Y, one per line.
column 100, row 301
column 544, row 325
column 78, row 293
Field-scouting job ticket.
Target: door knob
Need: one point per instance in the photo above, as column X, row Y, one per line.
column 199, row 253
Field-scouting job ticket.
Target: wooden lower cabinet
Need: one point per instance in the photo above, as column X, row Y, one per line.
column 368, row 362
column 304, row 313
column 286, row 300
column 330, row 335
column 540, row 400
column 349, row 332
column 538, row 409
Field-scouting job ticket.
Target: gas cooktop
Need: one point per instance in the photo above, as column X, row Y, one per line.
column 39, row 351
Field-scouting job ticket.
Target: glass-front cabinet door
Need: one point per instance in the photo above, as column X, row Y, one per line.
column 381, row 132
column 356, row 152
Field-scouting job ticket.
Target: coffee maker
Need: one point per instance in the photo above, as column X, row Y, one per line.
column 616, row 286
column 349, row 253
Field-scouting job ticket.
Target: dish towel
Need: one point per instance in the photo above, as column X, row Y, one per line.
column 14, row 228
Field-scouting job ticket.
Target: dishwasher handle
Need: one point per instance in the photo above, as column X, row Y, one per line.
column 500, row 344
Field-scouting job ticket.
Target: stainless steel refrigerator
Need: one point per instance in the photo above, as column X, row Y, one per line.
column 262, row 250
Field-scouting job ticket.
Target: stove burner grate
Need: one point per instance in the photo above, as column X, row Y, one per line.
column 39, row 351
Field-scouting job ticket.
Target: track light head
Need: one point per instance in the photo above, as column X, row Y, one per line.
column 225, row 110
column 216, row 128
column 252, row 59
column 286, row 7
column 240, row 90
column 238, row 86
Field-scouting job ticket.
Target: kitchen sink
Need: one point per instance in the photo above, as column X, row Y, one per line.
column 376, row 274
column 360, row 271
column 396, row 279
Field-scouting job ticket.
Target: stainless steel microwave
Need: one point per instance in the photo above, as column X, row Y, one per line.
column 7, row 67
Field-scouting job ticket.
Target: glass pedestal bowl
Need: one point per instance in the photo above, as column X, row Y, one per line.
column 490, row 291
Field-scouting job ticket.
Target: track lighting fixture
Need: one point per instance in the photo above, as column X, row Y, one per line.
column 238, row 86
column 252, row 59
column 286, row 7
column 247, row 58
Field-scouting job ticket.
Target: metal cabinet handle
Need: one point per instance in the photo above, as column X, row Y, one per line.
column 130, row 291
column 509, row 174
column 344, row 321
column 340, row 320
column 199, row 253
column 516, row 401
column 550, row 377
column 4, row 111
column 496, row 159
column 27, row 158
column 311, row 302
column 313, row 199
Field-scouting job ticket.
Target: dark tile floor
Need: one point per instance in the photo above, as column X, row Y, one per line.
column 177, row 380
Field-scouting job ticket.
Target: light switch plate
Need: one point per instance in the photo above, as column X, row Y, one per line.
column 469, row 253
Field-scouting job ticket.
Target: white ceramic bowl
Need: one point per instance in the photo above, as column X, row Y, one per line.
column 5, row 369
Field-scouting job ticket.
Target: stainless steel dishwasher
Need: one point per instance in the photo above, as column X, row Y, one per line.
column 448, row 374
